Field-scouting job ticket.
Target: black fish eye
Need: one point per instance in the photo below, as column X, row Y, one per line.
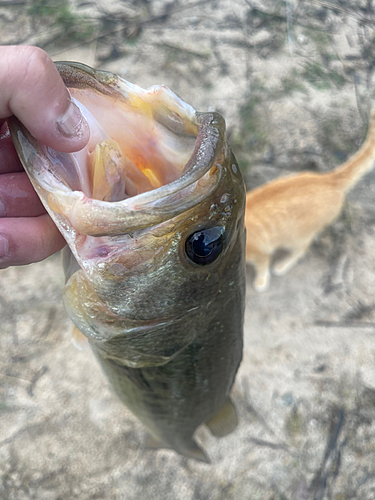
column 205, row 246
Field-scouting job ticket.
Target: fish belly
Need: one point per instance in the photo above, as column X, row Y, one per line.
column 174, row 399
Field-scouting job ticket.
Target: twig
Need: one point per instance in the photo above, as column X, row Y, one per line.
column 36, row 377
column 332, row 456
column 183, row 50
column 137, row 23
column 49, row 323
column 289, row 26
column 13, row 377
column 363, row 20
column 268, row 444
column 10, row 3
column 344, row 324
column 251, row 409
column 27, row 428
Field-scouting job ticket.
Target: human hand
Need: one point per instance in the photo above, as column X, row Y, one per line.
column 32, row 90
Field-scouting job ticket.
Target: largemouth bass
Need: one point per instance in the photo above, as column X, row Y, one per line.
column 152, row 210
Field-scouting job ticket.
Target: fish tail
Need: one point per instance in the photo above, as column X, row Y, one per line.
column 188, row 449
column 196, row 452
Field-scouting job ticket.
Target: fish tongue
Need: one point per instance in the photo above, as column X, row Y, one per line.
column 108, row 171
column 114, row 176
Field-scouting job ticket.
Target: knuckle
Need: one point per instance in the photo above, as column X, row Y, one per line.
column 6, row 250
column 36, row 65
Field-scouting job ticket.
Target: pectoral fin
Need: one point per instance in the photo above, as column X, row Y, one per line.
column 225, row 421
column 80, row 342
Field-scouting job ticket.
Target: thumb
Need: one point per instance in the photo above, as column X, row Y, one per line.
column 32, row 90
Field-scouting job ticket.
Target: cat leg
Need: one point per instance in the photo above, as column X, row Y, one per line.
column 262, row 269
column 285, row 265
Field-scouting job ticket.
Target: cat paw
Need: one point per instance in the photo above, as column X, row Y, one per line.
column 281, row 268
column 261, row 285
column 285, row 265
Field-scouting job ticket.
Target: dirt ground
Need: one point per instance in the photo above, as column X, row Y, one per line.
column 295, row 83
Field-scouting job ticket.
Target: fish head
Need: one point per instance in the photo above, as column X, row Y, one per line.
column 152, row 210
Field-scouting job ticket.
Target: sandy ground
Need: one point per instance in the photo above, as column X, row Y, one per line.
column 295, row 83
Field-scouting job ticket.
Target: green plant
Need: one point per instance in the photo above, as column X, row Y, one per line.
column 58, row 13
column 320, row 77
column 250, row 138
column 292, row 84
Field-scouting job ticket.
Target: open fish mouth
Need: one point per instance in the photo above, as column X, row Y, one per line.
column 150, row 157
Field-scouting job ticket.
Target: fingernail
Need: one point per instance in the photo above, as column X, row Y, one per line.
column 3, row 209
column 4, row 246
column 72, row 123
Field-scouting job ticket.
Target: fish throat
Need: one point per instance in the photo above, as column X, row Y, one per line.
column 137, row 143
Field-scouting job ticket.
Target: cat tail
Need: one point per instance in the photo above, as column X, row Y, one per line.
column 348, row 174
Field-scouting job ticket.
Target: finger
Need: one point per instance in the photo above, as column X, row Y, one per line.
column 9, row 161
column 32, row 90
column 27, row 240
column 18, row 197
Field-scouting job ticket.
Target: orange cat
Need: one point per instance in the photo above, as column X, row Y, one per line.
column 289, row 212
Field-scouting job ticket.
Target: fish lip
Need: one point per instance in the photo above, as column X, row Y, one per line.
column 208, row 144
column 103, row 218
column 143, row 210
column 208, row 148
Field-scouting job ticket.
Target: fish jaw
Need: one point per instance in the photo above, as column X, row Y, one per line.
column 146, row 161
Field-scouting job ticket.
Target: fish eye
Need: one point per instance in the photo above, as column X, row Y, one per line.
column 205, row 246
